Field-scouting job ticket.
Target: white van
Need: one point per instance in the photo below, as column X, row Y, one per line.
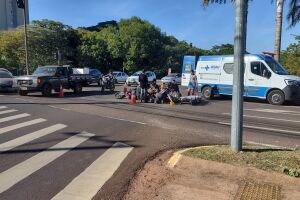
column 264, row 77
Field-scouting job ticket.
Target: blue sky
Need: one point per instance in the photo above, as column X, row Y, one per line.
column 187, row 20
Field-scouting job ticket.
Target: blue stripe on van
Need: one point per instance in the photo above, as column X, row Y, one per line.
column 251, row 91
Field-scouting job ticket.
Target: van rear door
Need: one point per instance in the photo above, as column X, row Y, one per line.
column 187, row 66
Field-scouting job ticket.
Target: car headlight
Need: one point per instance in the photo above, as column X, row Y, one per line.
column 291, row 82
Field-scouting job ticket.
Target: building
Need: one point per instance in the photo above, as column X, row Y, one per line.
column 10, row 15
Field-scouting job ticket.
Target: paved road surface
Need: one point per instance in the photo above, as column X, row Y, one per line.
column 51, row 148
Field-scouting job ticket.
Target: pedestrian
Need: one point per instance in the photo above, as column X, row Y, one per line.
column 176, row 88
column 192, row 83
column 143, row 79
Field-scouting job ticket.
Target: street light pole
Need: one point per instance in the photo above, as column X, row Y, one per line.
column 25, row 33
column 22, row 5
column 238, row 75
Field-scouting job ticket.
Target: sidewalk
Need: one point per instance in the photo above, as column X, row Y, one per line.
column 196, row 179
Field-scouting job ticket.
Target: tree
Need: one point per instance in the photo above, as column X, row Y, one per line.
column 291, row 57
column 93, row 50
column 293, row 17
column 223, row 49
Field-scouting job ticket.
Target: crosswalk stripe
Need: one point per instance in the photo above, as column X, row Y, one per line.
column 2, row 107
column 5, row 119
column 7, row 111
column 30, row 137
column 86, row 185
column 24, row 169
column 21, row 125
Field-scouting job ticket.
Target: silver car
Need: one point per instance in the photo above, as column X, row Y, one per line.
column 6, row 80
column 171, row 77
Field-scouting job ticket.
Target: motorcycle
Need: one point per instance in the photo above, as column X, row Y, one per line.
column 107, row 83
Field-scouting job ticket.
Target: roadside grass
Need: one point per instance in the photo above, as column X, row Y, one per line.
column 270, row 159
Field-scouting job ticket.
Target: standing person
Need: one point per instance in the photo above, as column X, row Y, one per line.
column 143, row 79
column 193, row 83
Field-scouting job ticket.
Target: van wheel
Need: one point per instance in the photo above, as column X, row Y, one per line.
column 207, row 92
column 47, row 90
column 276, row 97
column 77, row 88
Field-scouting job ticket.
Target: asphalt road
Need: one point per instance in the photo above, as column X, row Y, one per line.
column 93, row 144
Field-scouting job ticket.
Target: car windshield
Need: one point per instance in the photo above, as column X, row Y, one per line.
column 136, row 74
column 5, row 75
column 276, row 67
column 45, row 71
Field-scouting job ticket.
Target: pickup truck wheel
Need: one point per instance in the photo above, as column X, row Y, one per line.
column 77, row 88
column 23, row 93
column 276, row 97
column 207, row 92
column 47, row 90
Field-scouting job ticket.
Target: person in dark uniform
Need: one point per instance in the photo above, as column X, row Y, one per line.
column 143, row 79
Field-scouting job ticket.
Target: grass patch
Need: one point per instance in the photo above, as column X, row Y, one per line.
column 265, row 158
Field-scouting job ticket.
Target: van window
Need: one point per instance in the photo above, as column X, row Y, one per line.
column 228, row 68
column 258, row 68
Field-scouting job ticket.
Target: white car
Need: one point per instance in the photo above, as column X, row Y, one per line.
column 120, row 76
column 134, row 78
column 171, row 77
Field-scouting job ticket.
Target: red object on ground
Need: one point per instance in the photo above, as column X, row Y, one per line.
column 133, row 98
column 61, row 92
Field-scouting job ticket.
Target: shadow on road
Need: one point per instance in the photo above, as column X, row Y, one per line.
column 107, row 144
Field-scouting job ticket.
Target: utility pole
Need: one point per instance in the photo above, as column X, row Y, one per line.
column 238, row 75
column 22, row 4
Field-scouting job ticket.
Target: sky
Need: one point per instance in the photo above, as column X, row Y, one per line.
column 185, row 19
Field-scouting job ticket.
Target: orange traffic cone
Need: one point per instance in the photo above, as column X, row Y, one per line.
column 133, row 98
column 61, row 92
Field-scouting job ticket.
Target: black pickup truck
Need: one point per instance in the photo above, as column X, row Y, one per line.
column 48, row 78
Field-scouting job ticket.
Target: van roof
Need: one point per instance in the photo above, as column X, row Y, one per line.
column 230, row 57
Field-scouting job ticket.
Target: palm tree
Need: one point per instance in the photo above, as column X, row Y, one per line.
column 293, row 18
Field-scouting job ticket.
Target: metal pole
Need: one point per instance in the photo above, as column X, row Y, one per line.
column 238, row 75
column 25, row 32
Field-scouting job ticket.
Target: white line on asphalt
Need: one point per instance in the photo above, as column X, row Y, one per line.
column 21, row 125
column 87, row 184
column 1, row 95
column 125, row 120
column 30, row 137
column 267, row 145
column 2, row 107
column 264, row 128
column 5, row 119
column 22, row 170
column 260, row 117
column 285, row 112
column 7, row 111
column 59, row 108
column 24, row 100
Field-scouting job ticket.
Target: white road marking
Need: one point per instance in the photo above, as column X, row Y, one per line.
column 24, row 100
column 21, row 125
column 59, row 108
column 285, row 112
column 125, row 120
column 7, row 111
column 270, row 118
column 264, row 128
column 2, row 107
column 1, row 95
column 87, row 184
column 30, row 137
column 267, row 145
column 5, row 119
column 22, row 170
